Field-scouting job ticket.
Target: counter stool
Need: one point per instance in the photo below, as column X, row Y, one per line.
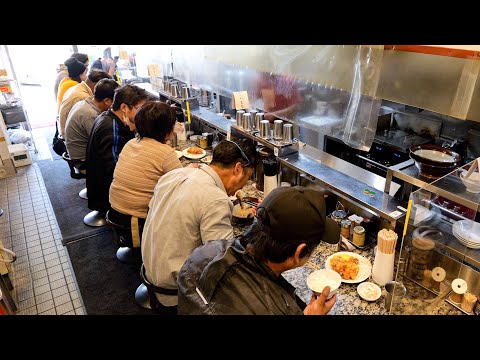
column 95, row 219
column 75, row 173
column 145, row 295
column 126, row 253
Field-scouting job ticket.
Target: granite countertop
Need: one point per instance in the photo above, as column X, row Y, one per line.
column 416, row 301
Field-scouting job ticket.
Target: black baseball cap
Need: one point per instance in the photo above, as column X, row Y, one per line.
column 299, row 213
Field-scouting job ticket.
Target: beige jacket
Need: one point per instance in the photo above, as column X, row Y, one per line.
column 72, row 96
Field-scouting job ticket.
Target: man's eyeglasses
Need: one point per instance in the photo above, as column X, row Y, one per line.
column 137, row 107
column 242, row 153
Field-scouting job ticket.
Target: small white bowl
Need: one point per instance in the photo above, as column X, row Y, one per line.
column 472, row 183
column 369, row 291
column 318, row 279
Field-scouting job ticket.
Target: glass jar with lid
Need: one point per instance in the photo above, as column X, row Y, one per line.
column 421, row 254
column 358, row 236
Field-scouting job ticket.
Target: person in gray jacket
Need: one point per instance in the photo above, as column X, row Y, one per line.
column 242, row 276
column 190, row 207
column 81, row 118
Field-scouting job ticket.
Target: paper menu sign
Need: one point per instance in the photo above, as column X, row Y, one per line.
column 240, row 100
column 123, row 55
column 153, row 70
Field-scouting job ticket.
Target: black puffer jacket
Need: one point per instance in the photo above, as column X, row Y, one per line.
column 221, row 278
column 107, row 139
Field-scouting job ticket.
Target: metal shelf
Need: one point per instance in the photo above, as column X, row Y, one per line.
column 450, row 186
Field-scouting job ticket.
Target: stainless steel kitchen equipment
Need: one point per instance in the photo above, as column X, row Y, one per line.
column 265, row 129
column 287, row 133
column 247, row 121
column 278, row 129
column 258, row 118
column 239, row 118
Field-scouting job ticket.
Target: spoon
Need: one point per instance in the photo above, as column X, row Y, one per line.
column 474, row 165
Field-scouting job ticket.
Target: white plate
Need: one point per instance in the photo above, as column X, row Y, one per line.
column 207, row 159
column 364, row 266
column 179, row 153
column 369, row 291
column 469, row 244
column 468, row 230
column 194, row 156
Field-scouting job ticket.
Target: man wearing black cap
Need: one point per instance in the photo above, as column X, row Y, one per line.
column 243, row 275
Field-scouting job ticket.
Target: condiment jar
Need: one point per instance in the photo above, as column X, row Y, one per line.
column 358, row 236
column 345, row 228
column 420, row 257
column 203, row 142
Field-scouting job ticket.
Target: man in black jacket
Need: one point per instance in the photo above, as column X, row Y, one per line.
column 242, row 276
column 111, row 131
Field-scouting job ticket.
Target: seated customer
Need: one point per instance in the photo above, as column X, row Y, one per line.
column 77, row 72
column 111, row 131
column 81, row 118
column 190, row 207
column 76, row 93
column 242, row 276
column 141, row 163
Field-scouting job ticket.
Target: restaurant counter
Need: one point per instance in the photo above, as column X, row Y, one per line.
column 348, row 301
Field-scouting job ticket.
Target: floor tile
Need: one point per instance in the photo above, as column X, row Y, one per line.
column 42, row 277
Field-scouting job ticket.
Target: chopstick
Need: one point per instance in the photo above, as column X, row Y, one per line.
column 250, row 203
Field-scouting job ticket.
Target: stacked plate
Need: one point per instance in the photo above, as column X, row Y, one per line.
column 468, row 233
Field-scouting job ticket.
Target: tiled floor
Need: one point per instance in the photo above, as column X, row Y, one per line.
column 42, row 276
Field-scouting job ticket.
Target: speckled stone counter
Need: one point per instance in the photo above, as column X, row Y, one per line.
column 416, row 301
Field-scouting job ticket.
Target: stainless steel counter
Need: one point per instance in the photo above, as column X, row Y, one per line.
column 344, row 179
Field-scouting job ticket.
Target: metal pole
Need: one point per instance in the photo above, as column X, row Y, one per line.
column 20, row 94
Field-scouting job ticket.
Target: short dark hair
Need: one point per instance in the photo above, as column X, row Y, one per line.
column 96, row 75
column 265, row 247
column 130, row 95
column 83, row 58
column 105, row 89
column 155, row 120
column 226, row 154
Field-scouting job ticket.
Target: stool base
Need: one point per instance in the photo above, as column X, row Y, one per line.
column 142, row 297
column 83, row 194
column 95, row 219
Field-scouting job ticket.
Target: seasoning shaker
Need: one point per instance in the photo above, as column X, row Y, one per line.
column 358, row 236
column 345, row 228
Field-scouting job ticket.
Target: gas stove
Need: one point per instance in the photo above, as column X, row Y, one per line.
column 399, row 140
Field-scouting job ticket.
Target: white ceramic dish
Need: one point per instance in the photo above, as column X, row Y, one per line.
column 364, row 266
column 318, row 279
column 194, row 156
column 179, row 153
column 468, row 230
column 207, row 159
column 472, row 183
column 435, row 155
column 194, row 138
column 369, row 291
